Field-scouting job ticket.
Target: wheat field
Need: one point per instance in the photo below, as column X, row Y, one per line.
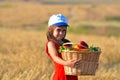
column 21, row 14
column 22, row 51
column 23, row 57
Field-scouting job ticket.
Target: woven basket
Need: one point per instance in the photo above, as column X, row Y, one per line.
column 89, row 63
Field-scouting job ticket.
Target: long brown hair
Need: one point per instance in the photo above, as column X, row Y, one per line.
column 50, row 36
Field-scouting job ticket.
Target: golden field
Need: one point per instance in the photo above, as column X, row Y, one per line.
column 21, row 14
column 22, row 51
column 23, row 57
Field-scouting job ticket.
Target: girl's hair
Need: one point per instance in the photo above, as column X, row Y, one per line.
column 50, row 36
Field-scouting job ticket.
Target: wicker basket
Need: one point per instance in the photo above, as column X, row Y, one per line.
column 89, row 63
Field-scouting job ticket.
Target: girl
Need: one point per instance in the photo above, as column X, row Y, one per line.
column 57, row 27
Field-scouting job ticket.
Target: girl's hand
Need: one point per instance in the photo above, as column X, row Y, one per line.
column 78, row 63
column 72, row 63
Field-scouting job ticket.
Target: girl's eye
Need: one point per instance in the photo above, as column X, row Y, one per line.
column 64, row 30
column 58, row 30
column 61, row 30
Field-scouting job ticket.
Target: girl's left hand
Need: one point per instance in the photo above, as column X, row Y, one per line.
column 78, row 63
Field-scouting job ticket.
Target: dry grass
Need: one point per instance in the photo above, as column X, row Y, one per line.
column 32, row 14
column 23, row 57
column 22, row 52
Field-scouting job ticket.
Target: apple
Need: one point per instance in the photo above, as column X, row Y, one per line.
column 83, row 45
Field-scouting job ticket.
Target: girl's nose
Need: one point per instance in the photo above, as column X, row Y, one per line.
column 61, row 32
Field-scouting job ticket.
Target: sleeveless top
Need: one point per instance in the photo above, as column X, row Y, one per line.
column 59, row 73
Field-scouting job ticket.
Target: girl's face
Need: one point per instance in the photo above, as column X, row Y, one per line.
column 59, row 32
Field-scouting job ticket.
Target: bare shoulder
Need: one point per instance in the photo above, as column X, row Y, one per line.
column 51, row 48
column 51, row 44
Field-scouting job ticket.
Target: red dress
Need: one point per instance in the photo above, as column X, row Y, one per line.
column 59, row 73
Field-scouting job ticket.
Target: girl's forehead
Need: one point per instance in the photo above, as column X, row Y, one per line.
column 62, row 27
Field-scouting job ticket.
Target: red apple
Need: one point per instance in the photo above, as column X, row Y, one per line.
column 83, row 45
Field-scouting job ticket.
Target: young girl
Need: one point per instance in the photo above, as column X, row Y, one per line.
column 57, row 27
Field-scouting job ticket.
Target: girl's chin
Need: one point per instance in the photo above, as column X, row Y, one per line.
column 58, row 39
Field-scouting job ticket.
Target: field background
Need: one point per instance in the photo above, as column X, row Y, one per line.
column 23, row 27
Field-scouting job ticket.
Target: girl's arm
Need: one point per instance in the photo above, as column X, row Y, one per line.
column 54, row 54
